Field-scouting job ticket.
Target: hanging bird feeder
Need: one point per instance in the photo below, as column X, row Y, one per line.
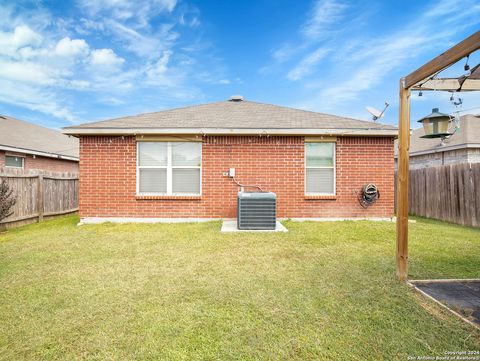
column 435, row 124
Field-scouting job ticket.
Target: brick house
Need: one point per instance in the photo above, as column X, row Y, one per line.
column 174, row 163
column 31, row 148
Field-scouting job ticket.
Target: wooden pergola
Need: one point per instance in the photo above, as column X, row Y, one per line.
column 425, row 78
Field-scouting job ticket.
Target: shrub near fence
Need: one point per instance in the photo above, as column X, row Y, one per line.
column 450, row 193
column 40, row 195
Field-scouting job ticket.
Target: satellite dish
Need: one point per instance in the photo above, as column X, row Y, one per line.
column 377, row 114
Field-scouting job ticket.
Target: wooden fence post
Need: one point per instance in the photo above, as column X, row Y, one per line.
column 40, row 198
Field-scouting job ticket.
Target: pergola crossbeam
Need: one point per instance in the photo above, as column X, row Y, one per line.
column 450, row 84
column 451, row 56
column 467, row 82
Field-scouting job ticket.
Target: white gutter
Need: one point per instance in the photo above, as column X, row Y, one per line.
column 35, row 152
column 230, row 131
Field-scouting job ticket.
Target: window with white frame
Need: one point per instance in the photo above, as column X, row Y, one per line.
column 320, row 168
column 13, row 161
column 169, row 168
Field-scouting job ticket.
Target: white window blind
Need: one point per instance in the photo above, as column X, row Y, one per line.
column 169, row 168
column 320, row 168
column 153, row 180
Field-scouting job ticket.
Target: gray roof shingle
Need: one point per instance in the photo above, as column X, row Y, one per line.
column 17, row 133
column 229, row 115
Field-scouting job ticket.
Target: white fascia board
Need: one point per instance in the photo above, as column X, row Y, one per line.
column 36, row 152
column 230, row 131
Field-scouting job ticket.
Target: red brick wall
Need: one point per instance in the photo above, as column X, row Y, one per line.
column 108, row 178
column 44, row 163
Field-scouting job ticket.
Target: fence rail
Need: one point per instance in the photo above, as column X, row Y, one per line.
column 40, row 195
column 450, row 193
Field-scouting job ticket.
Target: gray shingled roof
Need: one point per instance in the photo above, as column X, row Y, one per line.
column 467, row 135
column 230, row 115
column 24, row 136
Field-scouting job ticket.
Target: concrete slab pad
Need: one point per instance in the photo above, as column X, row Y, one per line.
column 231, row 227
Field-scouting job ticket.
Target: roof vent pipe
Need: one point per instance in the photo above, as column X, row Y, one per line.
column 236, row 98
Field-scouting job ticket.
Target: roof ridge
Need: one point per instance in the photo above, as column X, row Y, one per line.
column 225, row 101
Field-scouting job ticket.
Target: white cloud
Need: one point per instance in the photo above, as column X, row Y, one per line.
column 307, row 63
column 129, row 22
column 323, row 15
column 358, row 64
column 371, row 63
column 112, row 100
column 322, row 24
column 156, row 72
column 144, row 44
column 34, row 66
column 190, row 18
column 80, row 84
column 284, row 52
column 45, row 61
column 33, row 98
column 71, row 48
column 20, row 37
column 27, row 72
column 139, row 11
column 106, row 58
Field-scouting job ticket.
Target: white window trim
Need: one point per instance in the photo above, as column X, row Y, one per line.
column 16, row 156
column 334, row 171
column 169, row 167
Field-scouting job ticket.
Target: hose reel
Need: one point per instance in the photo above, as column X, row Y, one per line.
column 368, row 195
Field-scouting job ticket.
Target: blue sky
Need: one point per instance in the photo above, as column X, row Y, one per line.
column 64, row 63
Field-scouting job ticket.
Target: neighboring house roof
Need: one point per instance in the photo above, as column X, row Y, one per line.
column 467, row 136
column 20, row 136
column 234, row 117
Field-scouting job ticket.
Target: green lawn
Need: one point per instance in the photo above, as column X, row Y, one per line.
column 187, row 292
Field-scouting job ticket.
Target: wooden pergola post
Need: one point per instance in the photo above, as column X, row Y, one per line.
column 402, row 182
column 414, row 81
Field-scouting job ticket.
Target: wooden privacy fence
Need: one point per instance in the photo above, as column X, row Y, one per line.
column 450, row 193
column 39, row 196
